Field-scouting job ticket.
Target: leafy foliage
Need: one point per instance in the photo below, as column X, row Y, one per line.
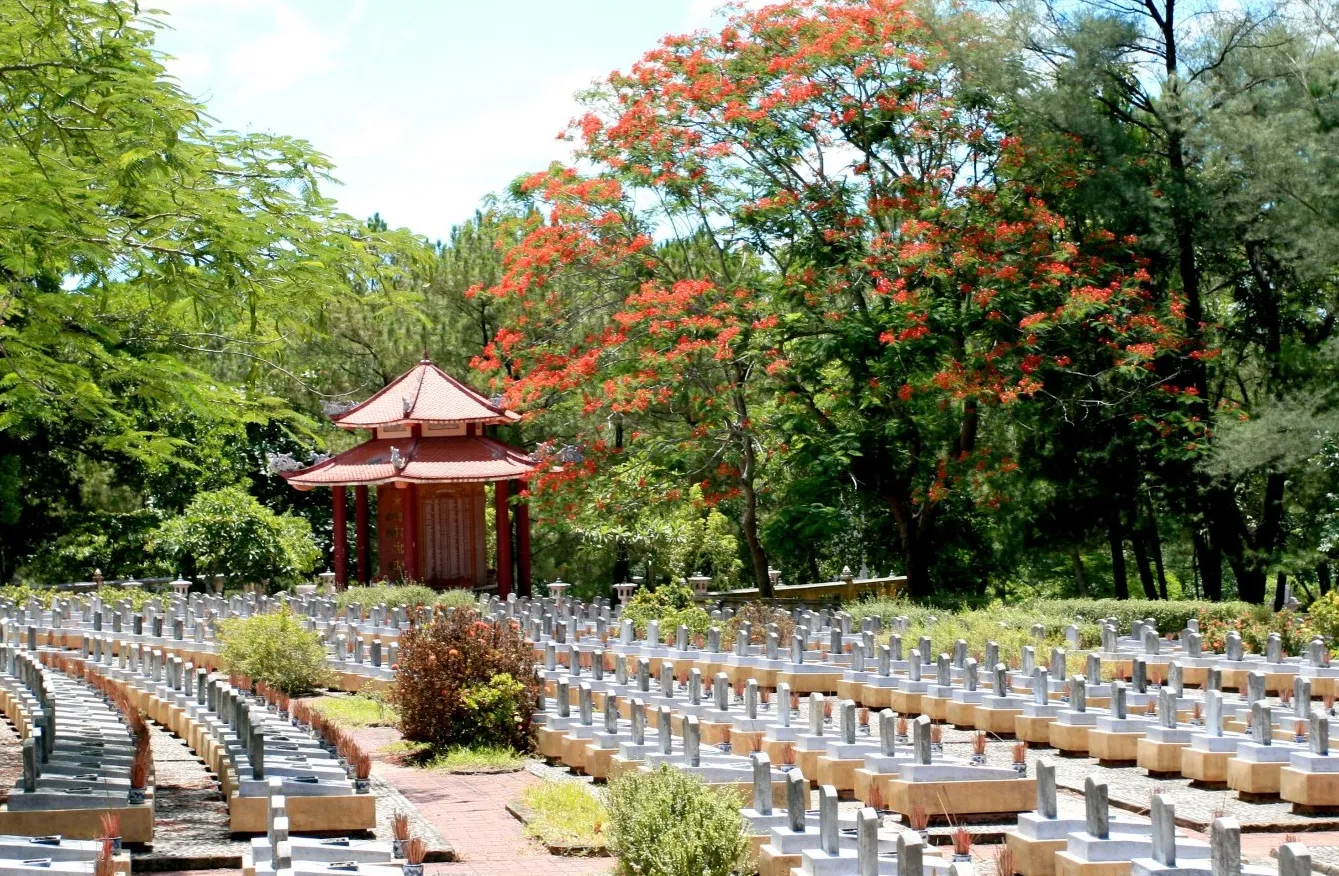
column 464, row 681
column 392, row 595
column 672, row 605
column 493, row 706
column 1323, row 618
column 276, row 649
column 227, row 532
column 669, row 823
column 920, row 284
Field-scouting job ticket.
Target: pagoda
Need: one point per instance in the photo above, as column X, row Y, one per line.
column 429, row 459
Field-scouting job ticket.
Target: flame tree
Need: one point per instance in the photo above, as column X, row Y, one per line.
column 809, row 239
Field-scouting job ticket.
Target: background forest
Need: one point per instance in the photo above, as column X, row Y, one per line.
column 1014, row 298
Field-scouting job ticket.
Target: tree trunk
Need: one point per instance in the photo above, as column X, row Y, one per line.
column 1155, row 549
column 1323, row 577
column 748, row 521
column 1280, row 590
column 1250, row 585
column 915, row 550
column 917, row 558
column 622, row 562
column 1210, row 561
column 1118, row 576
column 1142, row 565
column 1080, row 579
column 748, row 473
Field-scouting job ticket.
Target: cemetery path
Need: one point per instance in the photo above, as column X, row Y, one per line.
column 11, row 761
column 469, row 811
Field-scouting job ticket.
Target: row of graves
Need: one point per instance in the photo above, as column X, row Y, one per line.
column 851, row 710
column 361, row 641
column 858, row 713
column 76, row 680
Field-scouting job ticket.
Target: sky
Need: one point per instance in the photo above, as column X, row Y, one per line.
column 424, row 107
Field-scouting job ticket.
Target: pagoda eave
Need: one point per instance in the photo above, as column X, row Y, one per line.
column 428, row 460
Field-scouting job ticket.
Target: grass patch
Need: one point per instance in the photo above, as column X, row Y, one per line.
column 356, row 712
column 565, row 813
column 477, row 759
column 460, row 759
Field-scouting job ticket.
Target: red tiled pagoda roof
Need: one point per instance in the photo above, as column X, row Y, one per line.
column 424, row 394
column 459, row 459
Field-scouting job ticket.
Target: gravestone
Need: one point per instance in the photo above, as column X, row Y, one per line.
column 1097, row 815
column 1046, row 800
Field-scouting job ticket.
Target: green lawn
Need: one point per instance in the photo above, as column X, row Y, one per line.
column 357, row 711
column 458, row 759
column 565, row 813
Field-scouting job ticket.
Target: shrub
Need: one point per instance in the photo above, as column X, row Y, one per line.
column 457, row 599
column 393, row 595
column 457, row 671
column 1323, row 617
column 669, row 823
column 1255, row 627
column 1011, row 626
column 494, row 706
column 275, row 649
column 228, row 531
column 672, row 605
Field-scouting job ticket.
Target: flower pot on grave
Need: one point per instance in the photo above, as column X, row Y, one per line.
column 362, row 786
column 137, row 796
column 412, row 869
column 1021, row 769
column 397, row 848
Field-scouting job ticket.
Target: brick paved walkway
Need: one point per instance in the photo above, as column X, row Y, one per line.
column 469, row 813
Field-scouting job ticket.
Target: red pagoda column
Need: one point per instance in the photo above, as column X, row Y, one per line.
column 411, row 564
column 522, row 542
column 503, row 526
column 340, row 537
column 364, row 547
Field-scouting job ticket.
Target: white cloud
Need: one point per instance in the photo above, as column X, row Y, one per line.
column 437, row 178
column 188, row 66
column 372, row 131
column 294, row 49
column 263, row 46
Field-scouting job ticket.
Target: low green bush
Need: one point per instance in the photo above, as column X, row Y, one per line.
column 228, row 531
column 1323, row 617
column 393, row 595
column 493, row 707
column 457, row 599
column 1169, row 615
column 672, row 605
column 274, row 648
column 669, row 823
column 1011, row 625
